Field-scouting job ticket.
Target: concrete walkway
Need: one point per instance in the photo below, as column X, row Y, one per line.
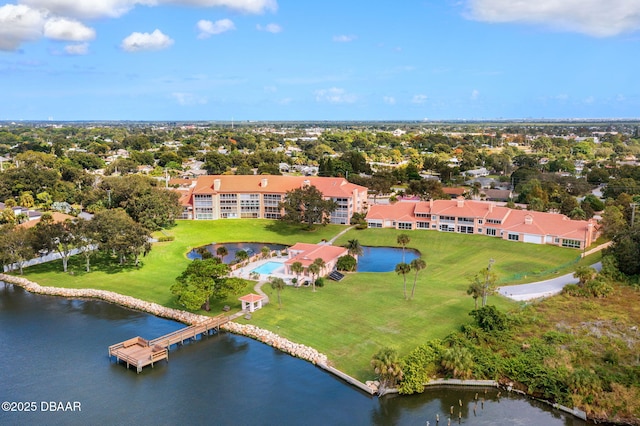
column 331, row 241
column 540, row 289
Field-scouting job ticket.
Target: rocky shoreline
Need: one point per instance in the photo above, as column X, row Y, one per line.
column 264, row 336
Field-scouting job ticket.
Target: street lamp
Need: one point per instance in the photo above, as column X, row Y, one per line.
column 486, row 283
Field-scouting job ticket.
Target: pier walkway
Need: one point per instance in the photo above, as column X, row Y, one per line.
column 139, row 352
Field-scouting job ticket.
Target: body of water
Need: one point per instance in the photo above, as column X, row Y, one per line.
column 233, row 248
column 54, row 351
column 383, row 259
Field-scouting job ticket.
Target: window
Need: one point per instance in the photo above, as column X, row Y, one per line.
column 465, row 229
column 479, row 221
column 570, row 243
column 375, row 225
column 422, row 225
column 494, row 221
column 405, row 225
column 202, row 200
column 514, row 237
column 491, row 231
column 447, row 228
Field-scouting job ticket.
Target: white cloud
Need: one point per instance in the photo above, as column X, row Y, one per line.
column 270, row 28
column 208, row 28
column 92, row 9
column 335, row 95
column 137, row 42
column 19, row 24
column 475, row 94
column 87, row 9
column 593, row 17
column 77, row 49
column 344, row 38
column 68, row 30
column 188, row 99
column 419, row 99
column 389, row 100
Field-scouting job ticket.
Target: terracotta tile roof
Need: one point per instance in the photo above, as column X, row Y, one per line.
column 453, row 191
column 512, row 220
column 331, row 187
column 57, row 217
column 403, row 209
column 310, row 252
column 251, row 298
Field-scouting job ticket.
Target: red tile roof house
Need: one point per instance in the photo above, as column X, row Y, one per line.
column 214, row 197
column 485, row 218
column 307, row 253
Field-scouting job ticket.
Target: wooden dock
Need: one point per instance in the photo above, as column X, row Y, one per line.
column 139, row 352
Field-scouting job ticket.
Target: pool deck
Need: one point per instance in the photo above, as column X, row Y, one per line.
column 245, row 271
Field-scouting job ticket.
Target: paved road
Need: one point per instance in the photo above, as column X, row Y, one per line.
column 540, row 289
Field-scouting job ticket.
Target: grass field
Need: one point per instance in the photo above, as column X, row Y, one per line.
column 349, row 320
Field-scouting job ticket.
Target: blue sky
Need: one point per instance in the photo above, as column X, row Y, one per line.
column 318, row 60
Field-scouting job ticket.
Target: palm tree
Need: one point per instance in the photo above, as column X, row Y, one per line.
column 265, row 252
column 403, row 240
column 387, row 366
column 277, row 284
column 320, row 262
column 417, row 265
column 403, row 269
column 313, row 270
column 241, row 256
column 354, row 248
column 584, row 274
column 459, row 361
column 475, row 290
column 297, row 268
column 222, row 252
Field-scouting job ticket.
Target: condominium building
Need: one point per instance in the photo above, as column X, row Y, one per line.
column 214, row 197
column 485, row 218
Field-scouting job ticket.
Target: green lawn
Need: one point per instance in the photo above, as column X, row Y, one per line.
column 349, row 320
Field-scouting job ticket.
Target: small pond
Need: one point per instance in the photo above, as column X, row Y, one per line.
column 232, row 248
column 383, row 259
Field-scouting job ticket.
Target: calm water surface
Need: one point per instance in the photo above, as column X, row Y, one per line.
column 233, row 248
column 55, row 349
column 383, row 259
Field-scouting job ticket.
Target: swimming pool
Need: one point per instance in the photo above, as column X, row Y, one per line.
column 268, row 268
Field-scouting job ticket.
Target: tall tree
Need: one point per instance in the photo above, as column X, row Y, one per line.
column 306, row 205
column 297, row 268
column 314, row 270
column 241, row 256
column 354, row 248
column 403, row 240
column 417, row 265
column 320, row 264
column 475, row 290
column 195, row 286
column 17, row 246
column 222, row 252
column 60, row 237
column 403, row 269
column 121, row 235
column 278, row 285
